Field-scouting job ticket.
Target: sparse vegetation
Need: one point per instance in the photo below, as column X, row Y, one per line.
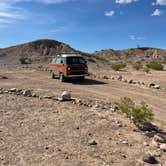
column 137, row 65
column 118, row 66
column 25, row 60
column 155, row 65
column 128, row 52
column 146, row 69
column 139, row 114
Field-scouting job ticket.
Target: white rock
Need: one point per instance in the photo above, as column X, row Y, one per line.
column 12, row 90
column 156, row 87
column 27, row 93
column 66, row 96
column 154, row 143
column 158, row 139
column 163, row 147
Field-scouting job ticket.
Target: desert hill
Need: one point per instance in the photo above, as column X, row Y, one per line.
column 37, row 51
column 133, row 54
column 43, row 50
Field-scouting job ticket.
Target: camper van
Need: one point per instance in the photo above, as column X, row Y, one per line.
column 68, row 66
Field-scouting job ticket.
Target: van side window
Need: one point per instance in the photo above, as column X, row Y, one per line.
column 59, row 61
column 54, row 60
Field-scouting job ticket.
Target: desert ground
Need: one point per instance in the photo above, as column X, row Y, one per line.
column 40, row 131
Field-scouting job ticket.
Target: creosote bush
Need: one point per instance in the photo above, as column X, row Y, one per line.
column 137, row 65
column 146, row 69
column 141, row 114
column 118, row 66
column 155, row 65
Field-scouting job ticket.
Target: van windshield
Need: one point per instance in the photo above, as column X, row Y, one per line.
column 75, row 60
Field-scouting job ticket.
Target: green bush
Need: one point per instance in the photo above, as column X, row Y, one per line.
column 118, row 66
column 139, row 114
column 137, row 65
column 146, row 69
column 155, row 65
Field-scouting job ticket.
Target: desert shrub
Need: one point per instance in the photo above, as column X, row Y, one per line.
column 25, row 60
column 137, row 65
column 146, row 69
column 155, row 65
column 118, row 66
column 139, row 114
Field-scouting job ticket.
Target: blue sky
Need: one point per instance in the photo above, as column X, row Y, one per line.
column 87, row 25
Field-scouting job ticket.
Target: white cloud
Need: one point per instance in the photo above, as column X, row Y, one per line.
column 133, row 37
column 125, row 1
column 51, row 1
column 156, row 12
column 10, row 12
column 159, row 2
column 110, row 13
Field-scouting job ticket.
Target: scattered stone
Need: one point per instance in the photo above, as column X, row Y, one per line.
column 27, row 93
column 92, row 142
column 155, row 153
column 120, row 78
column 97, row 106
column 151, row 85
column 113, row 78
column 163, row 147
column 34, row 95
column 149, row 158
column 154, row 143
column 113, row 110
column 130, row 81
column 13, row 90
column 124, row 142
column 157, row 138
column 105, row 77
column 156, row 86
column 47, row 97
column 145, row 144
column 65, row 96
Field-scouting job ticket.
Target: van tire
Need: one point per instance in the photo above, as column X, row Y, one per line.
column 52, row 74
column 61, row 77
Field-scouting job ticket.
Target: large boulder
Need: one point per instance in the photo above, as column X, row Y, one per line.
column 65, row 96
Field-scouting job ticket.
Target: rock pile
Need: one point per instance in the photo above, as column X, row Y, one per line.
column 131, row 81
column 65, row 96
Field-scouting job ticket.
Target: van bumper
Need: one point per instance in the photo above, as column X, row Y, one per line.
column 74, row 76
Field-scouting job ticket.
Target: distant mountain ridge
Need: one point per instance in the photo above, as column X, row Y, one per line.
column 42, row 50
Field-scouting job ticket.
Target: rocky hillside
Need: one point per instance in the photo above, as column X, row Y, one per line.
column 42, row 50
column 133, row 54
column 36, row 51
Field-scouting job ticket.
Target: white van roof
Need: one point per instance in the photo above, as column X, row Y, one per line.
column 68, row 55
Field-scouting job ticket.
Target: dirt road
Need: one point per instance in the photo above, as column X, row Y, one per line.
column 94, row 89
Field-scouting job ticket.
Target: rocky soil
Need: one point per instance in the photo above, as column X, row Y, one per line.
column 40, row 125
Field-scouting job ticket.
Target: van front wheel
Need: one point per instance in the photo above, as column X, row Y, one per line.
column 61, row 77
